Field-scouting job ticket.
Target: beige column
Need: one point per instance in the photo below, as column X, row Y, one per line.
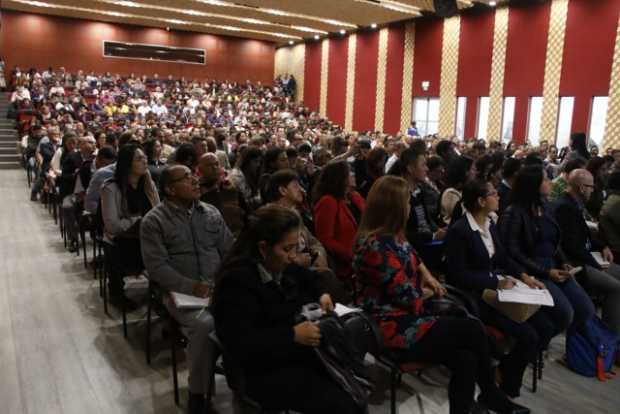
column 498, row 64
column 553, row 70
column 449, row 75
column 381, row 73
column 324, row 72
column 407, row 92
column 612, row 126
column 350, row 90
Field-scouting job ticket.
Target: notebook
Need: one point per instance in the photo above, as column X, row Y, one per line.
column 599, row 259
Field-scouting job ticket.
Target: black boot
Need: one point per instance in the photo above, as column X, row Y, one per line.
column 500, row 404
column 197, row 404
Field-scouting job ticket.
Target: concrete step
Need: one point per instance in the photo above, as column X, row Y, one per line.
column 8, row 150
column 7, row 137
column 10, row 165
column 9, row 158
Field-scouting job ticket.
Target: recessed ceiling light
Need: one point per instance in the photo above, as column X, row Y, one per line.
column 342, row 31
column 492, row 3
column 374, row 25
column 316, row 37
column 290, row 42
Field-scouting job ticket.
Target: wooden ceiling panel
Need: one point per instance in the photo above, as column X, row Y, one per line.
column 278, row 21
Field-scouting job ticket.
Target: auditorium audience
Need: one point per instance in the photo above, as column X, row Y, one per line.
column 259, row 293
column 531, row 237
column 280, row 151
column 394, row 284
column 183, row 243
column 578, row 245
column 475, row 255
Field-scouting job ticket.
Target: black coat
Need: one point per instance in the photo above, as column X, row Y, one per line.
column 575, row 232
column 503, row 192
column 468, row 262
column 416, row 237
column 255, row 320
column 519, row 235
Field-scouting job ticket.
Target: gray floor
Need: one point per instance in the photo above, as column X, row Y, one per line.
column 59, row 353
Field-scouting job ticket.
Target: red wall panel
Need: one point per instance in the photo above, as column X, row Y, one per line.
column 588, row 54
column 475, row 57
column 312, row 76
column 33, row 40
column 427, row 56
column 364, row 102
column 394, row 79
column 526, row 51
column 337, row 79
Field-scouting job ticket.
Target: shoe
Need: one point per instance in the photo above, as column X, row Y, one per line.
column 33, row 197
column 197, row 404
column 73, row 246
column 500, row 404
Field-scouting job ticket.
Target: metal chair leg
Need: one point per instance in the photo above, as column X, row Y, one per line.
column 175, row 378
column 147, row 345
column 83, row 241
column 535, row 376
column 124, row 312
column 393, row 385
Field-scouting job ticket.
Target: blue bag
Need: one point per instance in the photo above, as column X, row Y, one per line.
column 592, row 352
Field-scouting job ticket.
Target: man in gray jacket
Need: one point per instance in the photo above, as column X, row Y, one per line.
column 183, row 243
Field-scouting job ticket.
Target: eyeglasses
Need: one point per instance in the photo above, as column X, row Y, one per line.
column 491, row 193
column 588, row 185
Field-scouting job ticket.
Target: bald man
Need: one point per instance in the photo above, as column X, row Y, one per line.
column 577, row 244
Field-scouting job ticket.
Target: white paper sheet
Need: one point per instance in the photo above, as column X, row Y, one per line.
column 599, row 259
column 521, row 293
column 183, row 301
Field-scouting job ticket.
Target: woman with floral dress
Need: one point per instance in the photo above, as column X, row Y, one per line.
column 393, row 287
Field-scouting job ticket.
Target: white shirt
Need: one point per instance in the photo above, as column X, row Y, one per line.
column 393, row 158
column 485, row 233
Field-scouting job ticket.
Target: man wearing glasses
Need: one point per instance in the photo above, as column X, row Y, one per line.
column 578, row 245
column 183, row 243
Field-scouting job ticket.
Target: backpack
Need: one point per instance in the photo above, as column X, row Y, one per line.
column 592, row 351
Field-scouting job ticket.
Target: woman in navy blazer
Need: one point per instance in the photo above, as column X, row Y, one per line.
column 337, row 214
column 475, row 257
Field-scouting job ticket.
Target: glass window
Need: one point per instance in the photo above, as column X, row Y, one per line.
column 565, row 119
column 508, row 118
column 483, row 117
column 426, row 115
column 598, row 118
column 461, row 106
column 533, row 120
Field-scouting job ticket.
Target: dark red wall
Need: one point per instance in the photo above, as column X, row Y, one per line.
column 337, row 79
column 588, row 52
column 364, row 102
column 427, row 56
column 33, row 40
column 475, row 56
column 526, row 51
column 312, row 76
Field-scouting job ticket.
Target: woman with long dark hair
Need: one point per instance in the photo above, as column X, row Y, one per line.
column 245, row 176
column 152, row 150
column 531, row 237
column 259, row 293
column 337, row 213
column 459, row 171
column 125, row 199
column 394, row 285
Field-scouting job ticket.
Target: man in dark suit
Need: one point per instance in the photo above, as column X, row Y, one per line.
column 509, row 171
column 578, row 245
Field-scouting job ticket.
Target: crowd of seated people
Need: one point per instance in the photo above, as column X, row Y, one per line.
column 226, row 190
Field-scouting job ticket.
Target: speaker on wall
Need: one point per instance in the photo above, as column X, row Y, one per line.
column 446, row 8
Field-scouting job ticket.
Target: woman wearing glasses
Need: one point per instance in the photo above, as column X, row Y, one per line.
column 474, row 256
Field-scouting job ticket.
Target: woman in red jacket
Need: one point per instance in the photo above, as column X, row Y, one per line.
column 337, row 213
